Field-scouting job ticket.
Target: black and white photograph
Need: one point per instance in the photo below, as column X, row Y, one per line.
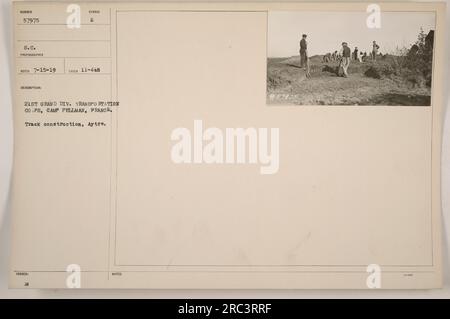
column 338, row 58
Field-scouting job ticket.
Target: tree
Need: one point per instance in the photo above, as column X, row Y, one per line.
column 420, row 57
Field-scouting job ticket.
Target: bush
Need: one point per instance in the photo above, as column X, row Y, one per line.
column 418, row 62
column 412, row 66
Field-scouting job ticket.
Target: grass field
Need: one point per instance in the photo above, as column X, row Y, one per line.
column 288, row 85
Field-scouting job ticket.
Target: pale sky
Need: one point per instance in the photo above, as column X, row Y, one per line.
column 327, row 30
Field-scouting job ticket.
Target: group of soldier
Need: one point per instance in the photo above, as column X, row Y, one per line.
column 343, row 57
column 356, row 55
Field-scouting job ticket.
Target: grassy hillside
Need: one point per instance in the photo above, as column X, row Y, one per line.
column 383, row 82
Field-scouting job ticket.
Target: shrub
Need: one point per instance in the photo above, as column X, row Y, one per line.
column 412, row 66
column 419, row 60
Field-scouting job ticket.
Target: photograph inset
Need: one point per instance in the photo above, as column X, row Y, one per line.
column 335, row 58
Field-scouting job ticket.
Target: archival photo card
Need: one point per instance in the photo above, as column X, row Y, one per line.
column 227, row 145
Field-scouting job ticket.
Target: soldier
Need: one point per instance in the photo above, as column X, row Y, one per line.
column 345, row 60
column 355, row 54
column 303, row 50
column 375, row 48
column 304, row 59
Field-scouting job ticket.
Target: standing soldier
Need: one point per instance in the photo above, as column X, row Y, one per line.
column 345, row 60
column 375, row 48
column 355, row 54
column 304, row 59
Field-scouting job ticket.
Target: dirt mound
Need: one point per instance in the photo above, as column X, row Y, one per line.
column 381, row 71
column 373, row 72
column 327, row 68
